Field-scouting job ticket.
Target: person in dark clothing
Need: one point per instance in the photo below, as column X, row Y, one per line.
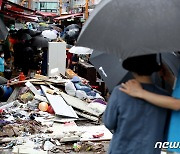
column 68, row 59
column 27, row 59
column 44, row 65
column 18, row 51
column 74, row 62
column 136, row 124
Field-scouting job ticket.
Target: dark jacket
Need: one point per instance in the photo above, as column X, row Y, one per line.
column 137, row 125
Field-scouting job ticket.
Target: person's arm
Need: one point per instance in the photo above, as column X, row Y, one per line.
column 74, row 62
column 5, row 64
column 134, row 88
column 68, row 63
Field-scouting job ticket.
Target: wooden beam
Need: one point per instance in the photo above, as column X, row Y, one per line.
column 60, row 7
column 90, row 117
column 29, row 4
column 86, row 9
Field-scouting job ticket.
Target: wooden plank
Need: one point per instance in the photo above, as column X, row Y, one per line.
column 70, row 73
column 90, row 117
column 51, row 80
column 24, row 81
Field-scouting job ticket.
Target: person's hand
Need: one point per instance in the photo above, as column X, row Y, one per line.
column 132, row 88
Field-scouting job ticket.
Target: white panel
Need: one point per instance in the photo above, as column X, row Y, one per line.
column 56, row 58
column 79, row 104
column 59, row 105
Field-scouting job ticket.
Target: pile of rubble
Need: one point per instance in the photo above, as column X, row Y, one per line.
column 41, row 115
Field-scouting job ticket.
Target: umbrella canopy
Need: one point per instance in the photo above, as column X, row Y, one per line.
column 111, row 71
column 39, row 42
column 3, row 30
column 110, row 68
column 173, row 61
column 49, row 34
column 29, row 31
column 80, row 50
column 24, row 36
column 71, row 32
column 133, row 27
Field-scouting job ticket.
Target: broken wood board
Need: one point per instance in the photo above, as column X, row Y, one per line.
column 52, row 80
column 59, row 105
column 90, row 117
column 24, row 81
column 70, row 74
column 79, row 104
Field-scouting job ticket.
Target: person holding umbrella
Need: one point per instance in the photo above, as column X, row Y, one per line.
column 135, row 89
column 136, row 124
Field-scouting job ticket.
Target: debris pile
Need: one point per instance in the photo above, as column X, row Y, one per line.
column 41, row 115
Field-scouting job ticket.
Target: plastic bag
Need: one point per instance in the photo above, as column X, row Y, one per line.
column 70, row 88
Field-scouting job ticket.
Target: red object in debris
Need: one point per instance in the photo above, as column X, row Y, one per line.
column 95, row 87
column 98, row 135
column 50, row 110
column 22, row 76
column 1, row 111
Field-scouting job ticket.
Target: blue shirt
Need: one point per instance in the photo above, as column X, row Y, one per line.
column 136, row 124
column 1, row 64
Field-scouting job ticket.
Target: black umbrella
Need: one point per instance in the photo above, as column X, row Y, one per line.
column 133, row 27
column 3, row 30
column 29, row 31
column 173, row 61
column 110, row 67
column 71, row 32
column 24, row 36
column 39, row 42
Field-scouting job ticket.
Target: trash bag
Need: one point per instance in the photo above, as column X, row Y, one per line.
column 81, row 94
column 70, row 88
